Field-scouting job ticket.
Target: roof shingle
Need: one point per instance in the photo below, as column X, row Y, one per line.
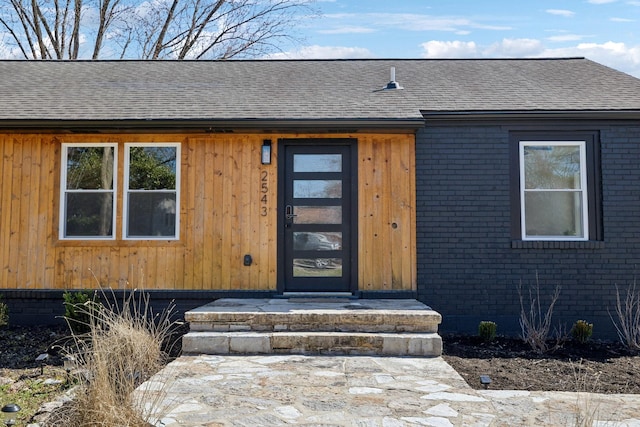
column 305, row 89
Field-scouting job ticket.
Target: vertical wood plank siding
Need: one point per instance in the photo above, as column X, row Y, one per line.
column 220, row 217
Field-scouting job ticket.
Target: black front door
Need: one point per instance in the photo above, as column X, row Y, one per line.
column 316, row 216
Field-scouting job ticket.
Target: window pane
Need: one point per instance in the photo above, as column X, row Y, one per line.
column 317, row 214
column 552, row 167
column 89, row 168
column 317, row 267
column 89, row 214
column 152, row 214
column 317, row 163
column 152, row 168
column 317, row 189
column 554, row 214
column 317, row 241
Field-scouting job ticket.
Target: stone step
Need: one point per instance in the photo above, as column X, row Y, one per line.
column 350, row 343
column 314, row 315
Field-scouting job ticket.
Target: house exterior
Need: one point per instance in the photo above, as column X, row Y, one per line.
column 199, row 180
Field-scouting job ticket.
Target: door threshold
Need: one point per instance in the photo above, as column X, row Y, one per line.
column 317, row 295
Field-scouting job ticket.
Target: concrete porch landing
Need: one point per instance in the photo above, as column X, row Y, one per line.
column 314, row 325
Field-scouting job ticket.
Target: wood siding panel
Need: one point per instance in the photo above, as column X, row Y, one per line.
column 386, row 213
column 221, row 216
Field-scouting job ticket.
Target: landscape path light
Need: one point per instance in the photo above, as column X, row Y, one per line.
column 69, row 364
column 9, row 412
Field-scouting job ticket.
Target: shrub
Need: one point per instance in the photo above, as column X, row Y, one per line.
column 76, row 310
column 581, row 331
column 536, row 326
column 628, row 317
column 4, row 313
column 487, row 330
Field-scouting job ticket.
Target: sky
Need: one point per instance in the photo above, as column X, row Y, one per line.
column 606, row 31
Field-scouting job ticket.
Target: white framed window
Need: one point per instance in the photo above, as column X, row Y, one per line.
column 151, row 201
column 87, row 198
column 553, row 190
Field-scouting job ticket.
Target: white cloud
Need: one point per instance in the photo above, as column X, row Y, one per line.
column 561, row 12
column 601, row 1
column 621, row 20
column 449, row 49
column 566, row 38
column 413, row 22
column 323, row 52
column 615, row 55
column 348, row 30
column 514, row 48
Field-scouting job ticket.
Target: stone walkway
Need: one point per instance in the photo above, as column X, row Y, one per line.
column 360, row 391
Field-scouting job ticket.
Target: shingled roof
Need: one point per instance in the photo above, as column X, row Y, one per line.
column 304, row 90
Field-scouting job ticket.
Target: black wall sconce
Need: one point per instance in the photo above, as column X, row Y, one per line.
column 266, row 152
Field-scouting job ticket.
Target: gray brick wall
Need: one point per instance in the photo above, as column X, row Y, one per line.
column 469, row 269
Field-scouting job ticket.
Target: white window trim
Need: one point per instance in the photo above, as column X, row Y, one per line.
column 125, row 196
column 583, row 189
column 64, row 191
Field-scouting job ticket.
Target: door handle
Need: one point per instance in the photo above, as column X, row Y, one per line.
column 288, row 212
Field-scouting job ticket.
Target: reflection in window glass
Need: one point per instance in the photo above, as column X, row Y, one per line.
column 89, row 168
column 152, row 214
column 554, row 214
column 317, row 189
column 317, row 214
column 323, row 241
column 152, row 168
column 549, row 167
column 87, row 197
column 317, row 267
column 89, row 214
column 317, row 163
column 151, row 200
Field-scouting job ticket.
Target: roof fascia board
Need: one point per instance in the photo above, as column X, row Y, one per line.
column 212, row 126
column 502, row 116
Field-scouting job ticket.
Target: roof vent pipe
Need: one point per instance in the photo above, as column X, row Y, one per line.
column 393, row 84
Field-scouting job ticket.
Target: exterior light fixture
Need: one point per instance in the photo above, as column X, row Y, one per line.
column 9, row 412
column 266, row 152
column 485, row 381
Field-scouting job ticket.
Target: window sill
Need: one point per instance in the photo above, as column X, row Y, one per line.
column 556, row 244
column 118, row 243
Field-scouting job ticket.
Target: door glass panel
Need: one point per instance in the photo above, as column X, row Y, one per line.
column 317, row 189
column 317, row 214
column 317, row 163
column 303, row 241
column 317, row 267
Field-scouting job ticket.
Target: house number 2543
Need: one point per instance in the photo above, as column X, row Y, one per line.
column 264, row 189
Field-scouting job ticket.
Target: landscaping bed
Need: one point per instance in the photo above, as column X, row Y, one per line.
column 595, row 366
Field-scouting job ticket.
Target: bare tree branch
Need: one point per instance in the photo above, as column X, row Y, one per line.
column 159, row 29
column 158, row 45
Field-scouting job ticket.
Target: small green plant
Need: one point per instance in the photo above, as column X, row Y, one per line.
column 581, row 331
column 487, row 330
column 4, row 313
column 77, row 306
